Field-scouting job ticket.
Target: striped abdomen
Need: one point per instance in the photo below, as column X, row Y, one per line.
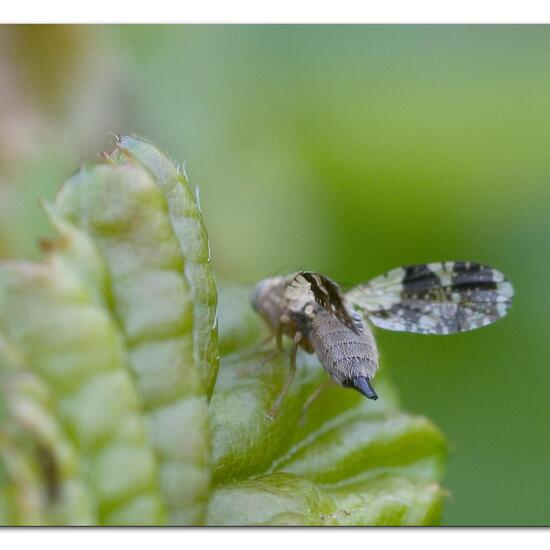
column 349, row 356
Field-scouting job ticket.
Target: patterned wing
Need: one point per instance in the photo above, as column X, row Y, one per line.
column 328, row 295
column 435, row 298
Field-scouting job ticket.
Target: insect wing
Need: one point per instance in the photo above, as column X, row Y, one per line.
column 327, row 294
column 435, row 298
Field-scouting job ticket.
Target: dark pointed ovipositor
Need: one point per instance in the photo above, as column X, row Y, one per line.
column 362, row 385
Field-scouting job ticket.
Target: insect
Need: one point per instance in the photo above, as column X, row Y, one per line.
column 434, row 298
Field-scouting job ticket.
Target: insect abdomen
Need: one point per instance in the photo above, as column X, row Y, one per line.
column 345, row 354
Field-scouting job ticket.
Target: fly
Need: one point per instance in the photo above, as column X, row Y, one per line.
column 434, row 298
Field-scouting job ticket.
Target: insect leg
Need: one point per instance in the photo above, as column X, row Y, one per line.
column 277, row 334
column 272, row 413
column 271, row 354
column 279, row 338
column 314, row 395
column 278, row 346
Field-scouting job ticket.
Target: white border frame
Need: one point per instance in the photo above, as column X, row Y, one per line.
column 281, row 11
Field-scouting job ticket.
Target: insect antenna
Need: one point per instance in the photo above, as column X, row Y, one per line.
column 277, row 272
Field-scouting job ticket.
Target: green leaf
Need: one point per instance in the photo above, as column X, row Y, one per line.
column 190, row 232
column 108, row 358
column 71, row 342
column 163, row 298
column 130, row 249
column 44, row 474
column 343, row 461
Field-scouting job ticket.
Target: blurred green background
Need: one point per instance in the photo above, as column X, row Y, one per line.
column 343, row 149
